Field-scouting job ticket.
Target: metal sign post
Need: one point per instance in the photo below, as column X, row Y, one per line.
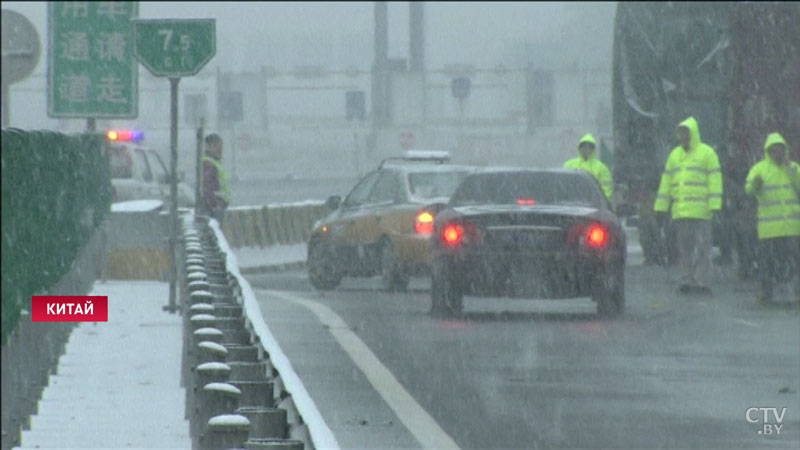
column 174, row 48
column 198, row 190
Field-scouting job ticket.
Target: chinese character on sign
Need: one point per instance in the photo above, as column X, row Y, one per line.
column 75, row 46
column 111, row 46
column 111, row 90
column 74, row 88
column 75, row 9
column 112, row 10
column 91, row 71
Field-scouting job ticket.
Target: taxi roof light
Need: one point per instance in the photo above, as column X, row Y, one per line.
column 426, row 155
column 436, row 156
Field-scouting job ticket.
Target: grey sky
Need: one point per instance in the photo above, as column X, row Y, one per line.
column 470, row 32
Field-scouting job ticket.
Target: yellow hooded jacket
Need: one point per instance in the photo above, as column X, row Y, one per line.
column 594, row 166
column 225, row 189
column 692, row 180
column 779, row 196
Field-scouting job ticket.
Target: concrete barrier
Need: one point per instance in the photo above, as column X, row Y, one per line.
column 265, row 226
column 136, row 244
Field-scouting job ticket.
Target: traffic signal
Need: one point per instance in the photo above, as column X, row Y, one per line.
column 540, row 101
column 231, row 108
column 460, row 87
column 355, row 105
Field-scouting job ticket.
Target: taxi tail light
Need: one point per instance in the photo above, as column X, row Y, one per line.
column 423, row 223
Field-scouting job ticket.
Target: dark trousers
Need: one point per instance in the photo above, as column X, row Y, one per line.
column 218, row 214
column 778, row 259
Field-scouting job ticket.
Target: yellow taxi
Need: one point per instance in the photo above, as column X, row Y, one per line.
column 383, row 226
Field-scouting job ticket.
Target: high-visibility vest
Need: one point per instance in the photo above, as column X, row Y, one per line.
column 225, row 189
column 691, row 184
column 779, row 195
column 594, row 166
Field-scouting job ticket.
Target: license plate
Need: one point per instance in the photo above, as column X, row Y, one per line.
column 532, row 239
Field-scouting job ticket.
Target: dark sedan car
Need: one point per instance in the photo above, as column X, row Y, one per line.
column 528, row 233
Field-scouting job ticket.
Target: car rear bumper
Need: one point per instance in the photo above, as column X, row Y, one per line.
column 413, row 251
column 563, row 274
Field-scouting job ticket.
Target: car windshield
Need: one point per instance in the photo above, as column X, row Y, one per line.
column 540, row 188
column 428, row 185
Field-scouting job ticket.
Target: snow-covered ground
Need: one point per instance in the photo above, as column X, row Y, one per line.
column 137, row 206
column 118, row 383
column 276, row 255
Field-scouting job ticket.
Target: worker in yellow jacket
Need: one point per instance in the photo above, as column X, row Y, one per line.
column 691, row 187
column 587, row 161
column 775, row 182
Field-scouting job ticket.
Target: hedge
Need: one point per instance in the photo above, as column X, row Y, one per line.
column 56, row 190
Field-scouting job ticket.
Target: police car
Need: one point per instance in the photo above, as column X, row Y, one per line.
column 139, row 172
column 383, row 226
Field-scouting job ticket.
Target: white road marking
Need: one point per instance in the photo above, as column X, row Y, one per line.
column 424, row 428
column 746, row 323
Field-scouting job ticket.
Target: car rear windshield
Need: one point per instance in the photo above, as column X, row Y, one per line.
column 129, row 163
column 532, row 188
column 434, row 184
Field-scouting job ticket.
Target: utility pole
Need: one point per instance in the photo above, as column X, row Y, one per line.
column 416, row 50
column 529, row 100
column 380, row 65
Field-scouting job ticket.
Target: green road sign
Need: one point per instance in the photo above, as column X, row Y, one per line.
column 174, row 47
column 91, row 71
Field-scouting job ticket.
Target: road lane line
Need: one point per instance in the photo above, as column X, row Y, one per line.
column 424, row 428
column 321, row 435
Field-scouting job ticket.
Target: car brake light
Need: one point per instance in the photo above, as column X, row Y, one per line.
column 596, row 236
column 526, row 201
column 452, row 234
column 424, row 223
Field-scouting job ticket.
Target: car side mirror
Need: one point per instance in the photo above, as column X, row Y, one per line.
column 333, row 202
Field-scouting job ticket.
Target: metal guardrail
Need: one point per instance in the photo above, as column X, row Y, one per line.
column 234, row 374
